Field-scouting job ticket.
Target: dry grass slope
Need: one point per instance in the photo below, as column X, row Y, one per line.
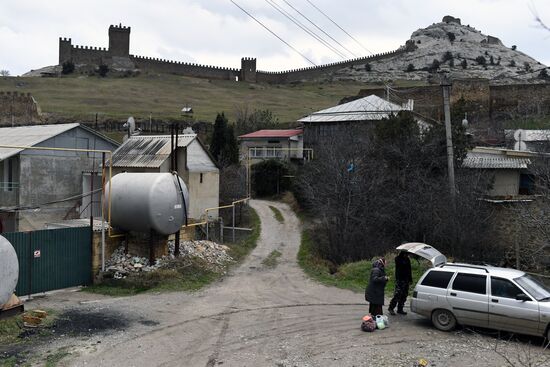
column 163, row 95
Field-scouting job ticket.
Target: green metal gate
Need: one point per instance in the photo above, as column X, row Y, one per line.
column 52, row 259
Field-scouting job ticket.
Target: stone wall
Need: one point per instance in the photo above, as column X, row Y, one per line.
column 186, row 69
column 19, row 109
column 483, row 101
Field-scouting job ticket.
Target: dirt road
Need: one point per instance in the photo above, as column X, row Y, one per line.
column 263, row 316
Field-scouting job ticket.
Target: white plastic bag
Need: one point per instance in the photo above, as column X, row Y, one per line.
column 380, row 322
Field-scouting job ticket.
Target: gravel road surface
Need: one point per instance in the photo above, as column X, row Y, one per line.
column 263, row 316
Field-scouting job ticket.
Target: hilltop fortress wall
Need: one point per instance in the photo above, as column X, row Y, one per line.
column 119, row 50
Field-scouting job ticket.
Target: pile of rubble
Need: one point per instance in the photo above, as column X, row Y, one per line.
column 121, row 264
column 212, row 253
column 216, row 256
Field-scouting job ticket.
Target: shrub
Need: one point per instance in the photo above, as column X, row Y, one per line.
column 451, row 36
column 67, row 68
column 447, row 56
column 103, row 70
column 464, row 64
column 512, row 63
column 544, row 74
column 514, row 47
column 526, row 66
column 368, row 67
column 410, row 68
column 267, row 178
column 435, row 65
column 481, row 60
column 492, row 60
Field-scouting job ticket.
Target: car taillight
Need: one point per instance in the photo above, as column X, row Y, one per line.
column 415, row 293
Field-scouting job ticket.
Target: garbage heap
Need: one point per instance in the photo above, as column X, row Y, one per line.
column 214, row 255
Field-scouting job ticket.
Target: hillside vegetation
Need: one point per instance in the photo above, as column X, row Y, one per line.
column 163, row 95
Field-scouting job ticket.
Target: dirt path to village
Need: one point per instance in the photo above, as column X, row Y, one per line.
column 261, row 316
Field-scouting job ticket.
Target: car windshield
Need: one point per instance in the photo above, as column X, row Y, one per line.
column 534, row 287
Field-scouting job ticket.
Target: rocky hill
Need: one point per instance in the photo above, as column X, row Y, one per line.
column 462, row 50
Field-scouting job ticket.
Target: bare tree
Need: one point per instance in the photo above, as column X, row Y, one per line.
column 4, row 72
column 390, row 188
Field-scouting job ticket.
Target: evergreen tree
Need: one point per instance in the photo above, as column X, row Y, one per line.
column 218, row 136
column 231, row 153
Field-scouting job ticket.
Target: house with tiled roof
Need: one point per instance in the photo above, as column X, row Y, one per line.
column 286, row 144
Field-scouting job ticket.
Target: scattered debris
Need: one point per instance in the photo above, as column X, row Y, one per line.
column 120, row 265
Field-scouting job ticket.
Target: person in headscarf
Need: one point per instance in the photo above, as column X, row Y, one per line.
column 374, row 294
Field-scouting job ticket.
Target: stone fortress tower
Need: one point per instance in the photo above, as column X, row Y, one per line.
column 118, row 53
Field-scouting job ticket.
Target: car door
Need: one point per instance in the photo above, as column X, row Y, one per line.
column 469, row 299
column 508, row 313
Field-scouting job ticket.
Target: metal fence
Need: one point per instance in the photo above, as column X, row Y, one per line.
column 52, row 259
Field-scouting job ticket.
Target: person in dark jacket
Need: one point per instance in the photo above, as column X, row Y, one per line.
column 403, row 277
column 374, row 294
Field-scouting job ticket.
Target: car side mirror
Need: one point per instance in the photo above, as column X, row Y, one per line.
column 522, row 297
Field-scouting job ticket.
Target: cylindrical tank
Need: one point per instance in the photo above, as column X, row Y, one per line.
column 9, row 270
column 143, row 202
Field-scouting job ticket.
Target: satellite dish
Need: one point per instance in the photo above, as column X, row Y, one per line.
column 520, row 145
column 520, row 135
column 9, row 270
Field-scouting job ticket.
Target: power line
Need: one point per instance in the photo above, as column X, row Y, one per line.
column 273, row 33
column 342, row 29
column 304, row 28
column 319, row 28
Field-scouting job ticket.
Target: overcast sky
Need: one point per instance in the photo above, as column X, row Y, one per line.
column 216, row 32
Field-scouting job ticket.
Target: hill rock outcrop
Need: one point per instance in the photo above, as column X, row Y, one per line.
column 461, row 50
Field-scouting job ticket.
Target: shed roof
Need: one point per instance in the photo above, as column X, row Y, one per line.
column 494, row 158
column 368, row 108
column 147, row 151
column 150, row 151
column 272, row 134
column 28, row 136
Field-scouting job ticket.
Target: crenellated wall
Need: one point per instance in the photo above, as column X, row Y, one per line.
column 186, row 69
column 119, row 46
column 314, row 72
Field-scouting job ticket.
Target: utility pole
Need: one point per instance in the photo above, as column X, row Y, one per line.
column 446, row 88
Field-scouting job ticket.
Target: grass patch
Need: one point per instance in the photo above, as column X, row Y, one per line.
column 81, row 97
column 240, row 250
column 271, row 260
column 9, row 362
column 354, row 276
column 11, row 328
column 182, row 274
column 277, row 213
column 53, row 359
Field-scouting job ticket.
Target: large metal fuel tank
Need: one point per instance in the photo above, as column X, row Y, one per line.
column 9, row 270
column 143, row 202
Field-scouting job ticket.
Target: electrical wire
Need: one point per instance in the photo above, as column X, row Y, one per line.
column 342, row 29
column 37, row 206
column 319, row 28
column 273, row 33
column 304, row 28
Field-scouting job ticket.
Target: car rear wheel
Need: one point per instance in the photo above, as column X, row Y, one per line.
column 443, row 320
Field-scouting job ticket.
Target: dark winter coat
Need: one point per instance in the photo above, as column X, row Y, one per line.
column 375, row 290
column 403, row 271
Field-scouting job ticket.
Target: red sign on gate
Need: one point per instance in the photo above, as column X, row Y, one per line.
column 36, row 253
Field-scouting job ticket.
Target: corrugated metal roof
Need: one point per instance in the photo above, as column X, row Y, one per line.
column 147, row 151
column 28, row 136
column 368, row 108
column 488, row 158
column 272, row 134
